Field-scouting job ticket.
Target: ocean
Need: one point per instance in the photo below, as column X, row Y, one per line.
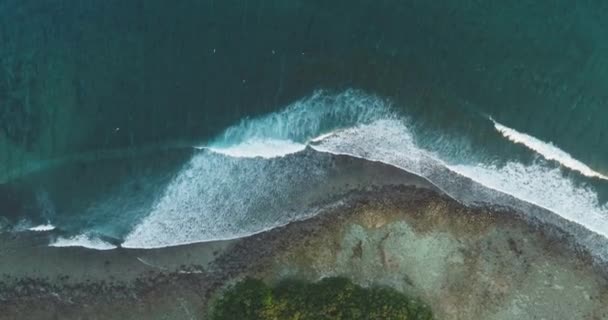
column 147, row 124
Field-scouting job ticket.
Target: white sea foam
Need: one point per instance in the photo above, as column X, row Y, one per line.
column 245, row 190
column 42, row 228
column 307, row 118
column 83, row 240
column 217, row 197
column 391, row 142
column 387, row 141
column 245, row 181
column 545, row 187
column 548, row 150
column 321, row 137
column 264, row 148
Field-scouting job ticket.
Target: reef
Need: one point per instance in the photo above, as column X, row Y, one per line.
column 475, row 264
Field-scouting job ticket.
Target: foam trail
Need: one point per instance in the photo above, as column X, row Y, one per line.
column 255, row 176
column 306, row 119
column 42, row 228
column 218, row 197
column 544, row 187
column 263, row 148
column 83, row 240
column 391, row 142
column 258, row 175
column 548, row 150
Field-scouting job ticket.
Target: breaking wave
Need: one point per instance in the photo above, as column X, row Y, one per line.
column 548, row 150
column 268, row 171
column 42, row 228
column 83, row 240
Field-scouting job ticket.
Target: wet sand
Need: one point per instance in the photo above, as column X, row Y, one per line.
column 466, row 263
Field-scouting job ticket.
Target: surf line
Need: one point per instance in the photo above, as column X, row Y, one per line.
column 547, row 149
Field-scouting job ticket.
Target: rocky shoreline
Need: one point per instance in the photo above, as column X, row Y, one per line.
column 466, row 263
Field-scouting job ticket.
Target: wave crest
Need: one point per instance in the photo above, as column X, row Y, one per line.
column 308, row 118
column 83, row 240
column 548, row 150
column 258, row 175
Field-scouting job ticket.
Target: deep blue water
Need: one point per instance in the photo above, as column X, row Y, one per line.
column 144, row 121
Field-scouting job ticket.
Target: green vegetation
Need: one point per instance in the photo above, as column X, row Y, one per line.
column 330, row 298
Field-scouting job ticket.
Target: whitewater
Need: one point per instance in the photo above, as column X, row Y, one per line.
column 268, row 171
column 548, row 150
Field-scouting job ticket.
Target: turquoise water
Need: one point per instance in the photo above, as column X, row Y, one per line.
column 135, row 120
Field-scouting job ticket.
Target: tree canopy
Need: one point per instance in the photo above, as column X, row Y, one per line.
column 330, row 298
